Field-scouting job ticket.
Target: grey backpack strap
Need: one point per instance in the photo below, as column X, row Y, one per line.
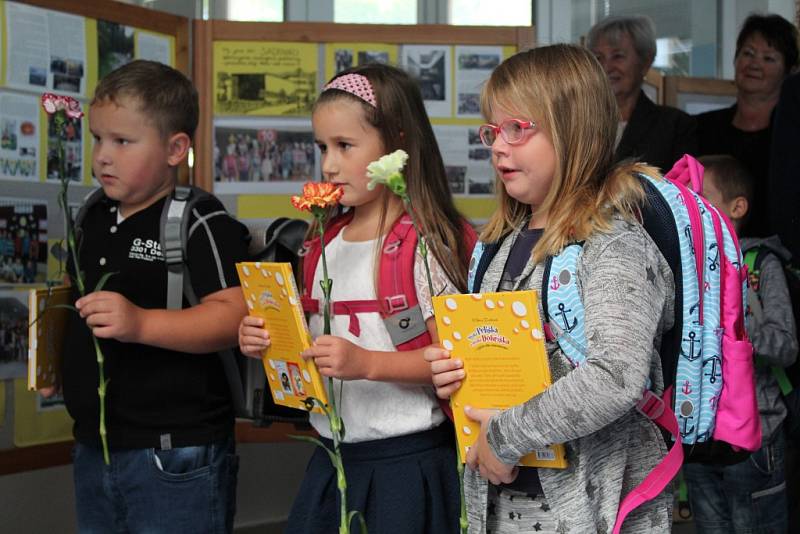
column 174, row 241
column 172, row 246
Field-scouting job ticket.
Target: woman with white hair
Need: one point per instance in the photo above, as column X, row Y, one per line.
column 658, row 135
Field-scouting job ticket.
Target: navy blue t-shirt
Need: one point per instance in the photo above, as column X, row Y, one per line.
column 527, row 480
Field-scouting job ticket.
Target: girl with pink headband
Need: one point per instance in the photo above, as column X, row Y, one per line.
column 398, row 450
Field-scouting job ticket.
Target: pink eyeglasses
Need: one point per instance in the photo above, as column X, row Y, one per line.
column 511, row 130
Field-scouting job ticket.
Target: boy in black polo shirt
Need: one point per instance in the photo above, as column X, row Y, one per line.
column 169, row 413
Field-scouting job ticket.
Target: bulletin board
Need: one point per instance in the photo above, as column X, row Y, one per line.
column 257, row 82
column 698, row 95
column 63, row 47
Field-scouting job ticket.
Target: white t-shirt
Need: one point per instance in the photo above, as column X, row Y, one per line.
column 374, row 410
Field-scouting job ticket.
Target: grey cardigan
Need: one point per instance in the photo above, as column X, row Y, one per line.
column 628, row 295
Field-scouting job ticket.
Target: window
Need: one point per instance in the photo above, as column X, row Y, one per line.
column 475, row 13
column 374, row 12
column 255, row 10
column 686, row 31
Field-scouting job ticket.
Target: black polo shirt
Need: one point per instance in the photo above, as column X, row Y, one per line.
column 152, row 392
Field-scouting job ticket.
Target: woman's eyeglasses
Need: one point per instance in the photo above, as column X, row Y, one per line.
column 511, row 130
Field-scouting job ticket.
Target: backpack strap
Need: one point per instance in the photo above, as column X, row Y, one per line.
column 564, row 322
column 174, row 238
column 91, row 198
column 482, row 256
column 561, row 304
column 311, row 254
column 397, row 294
column 173, row 241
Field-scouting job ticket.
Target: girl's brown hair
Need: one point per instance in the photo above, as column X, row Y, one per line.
column 563, row 89
column 402, row 122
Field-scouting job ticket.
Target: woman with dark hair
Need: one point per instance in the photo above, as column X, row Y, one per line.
column 658, row 135
column 766, row 53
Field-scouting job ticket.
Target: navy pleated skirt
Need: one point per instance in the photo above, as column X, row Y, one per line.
column 402, row 485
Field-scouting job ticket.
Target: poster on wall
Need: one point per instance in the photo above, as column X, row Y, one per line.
column 263, row 155
column 45, row 50
column 72, row 139
column 474, row 65
column 468, row 163
column 264, row 78
column 118, row 45
column 430, row 66
column 115, row 46
column 19, row 137
column 13, row 332
column 341, row 56
column 23, row 240
column 154, row 47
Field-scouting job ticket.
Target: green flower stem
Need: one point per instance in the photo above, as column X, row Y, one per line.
column 59, row 119
column 101, row 393
column 463, row 522
column 423, row 249
column 334, row 421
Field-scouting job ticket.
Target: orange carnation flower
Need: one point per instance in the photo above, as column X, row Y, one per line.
column 317, row 195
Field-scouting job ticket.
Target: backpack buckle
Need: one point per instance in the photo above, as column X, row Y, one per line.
column 650, row 405
column 391, row 248
column 396, row 303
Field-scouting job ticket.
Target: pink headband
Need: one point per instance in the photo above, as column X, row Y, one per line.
column 355, row 84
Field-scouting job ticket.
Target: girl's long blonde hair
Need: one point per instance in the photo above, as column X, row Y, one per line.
column 563, row 89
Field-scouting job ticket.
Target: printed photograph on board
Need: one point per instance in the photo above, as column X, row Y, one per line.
column 430, row 66
column 73, row 150
column 13, row 333
column 263, row 155
column 19, row 137
column 23, row 240
column 115, row 46
column 264, row 78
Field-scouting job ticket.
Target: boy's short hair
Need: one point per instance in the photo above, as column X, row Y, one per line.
column 730, row 176
column 165, row 95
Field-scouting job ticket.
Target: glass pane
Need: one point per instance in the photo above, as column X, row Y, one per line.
column 474, row 13
column 373, row 12
column 686, row 31
column 256, row 10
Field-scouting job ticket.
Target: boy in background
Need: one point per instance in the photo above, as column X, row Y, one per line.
column 751, row 495
column 169, row 414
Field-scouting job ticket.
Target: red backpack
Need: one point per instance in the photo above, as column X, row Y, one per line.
column 397, row 295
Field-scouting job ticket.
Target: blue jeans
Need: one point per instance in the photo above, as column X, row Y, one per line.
column 143, row 491
column 744, row 498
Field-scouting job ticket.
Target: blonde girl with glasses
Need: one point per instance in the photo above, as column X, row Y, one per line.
column 553, row 120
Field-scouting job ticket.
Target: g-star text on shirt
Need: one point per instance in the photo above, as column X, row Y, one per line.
column 145, row 249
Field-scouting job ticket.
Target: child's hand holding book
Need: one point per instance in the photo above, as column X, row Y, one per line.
column 253, row 337
column 447, row 372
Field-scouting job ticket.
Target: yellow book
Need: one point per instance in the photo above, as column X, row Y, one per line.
column 499, row 338
column 271, row 293
column 47, row 326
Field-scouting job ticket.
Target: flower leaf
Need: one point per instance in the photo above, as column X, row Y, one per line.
column 102, row 282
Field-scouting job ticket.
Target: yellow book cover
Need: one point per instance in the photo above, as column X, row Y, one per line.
column 47, row 322
column 271, row 293
column 499, row 338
